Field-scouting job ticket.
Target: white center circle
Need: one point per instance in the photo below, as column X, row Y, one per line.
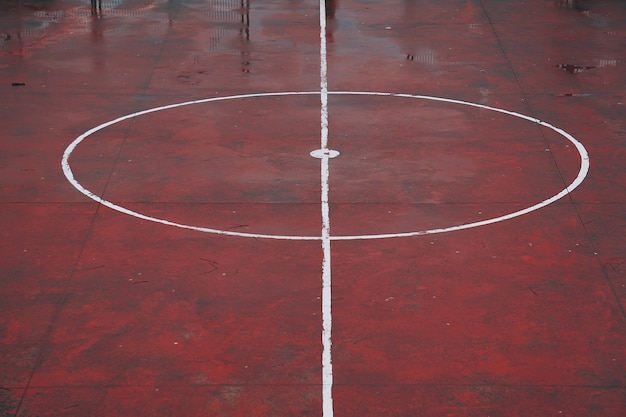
column 328, row 153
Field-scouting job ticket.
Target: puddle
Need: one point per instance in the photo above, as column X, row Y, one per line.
column 27, row 24
column 574, row 69
column 425, row 57
column 599, row 63
column 582, row 6
column 579, row 5
column 33, row 19
column 608, row 62
column 331, row 9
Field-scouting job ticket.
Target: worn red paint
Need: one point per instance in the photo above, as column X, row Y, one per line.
column 105, row 314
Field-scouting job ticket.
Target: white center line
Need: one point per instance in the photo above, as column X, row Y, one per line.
column 327, row 367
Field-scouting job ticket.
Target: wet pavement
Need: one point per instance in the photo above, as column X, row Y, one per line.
column 181, row 272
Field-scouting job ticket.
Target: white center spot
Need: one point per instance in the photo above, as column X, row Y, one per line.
column 320, row 153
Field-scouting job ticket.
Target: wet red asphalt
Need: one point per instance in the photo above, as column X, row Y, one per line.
column 103, row 313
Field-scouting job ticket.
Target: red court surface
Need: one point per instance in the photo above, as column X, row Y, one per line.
column 170, row 247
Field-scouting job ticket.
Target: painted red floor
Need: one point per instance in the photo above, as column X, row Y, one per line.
column 103, row 313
